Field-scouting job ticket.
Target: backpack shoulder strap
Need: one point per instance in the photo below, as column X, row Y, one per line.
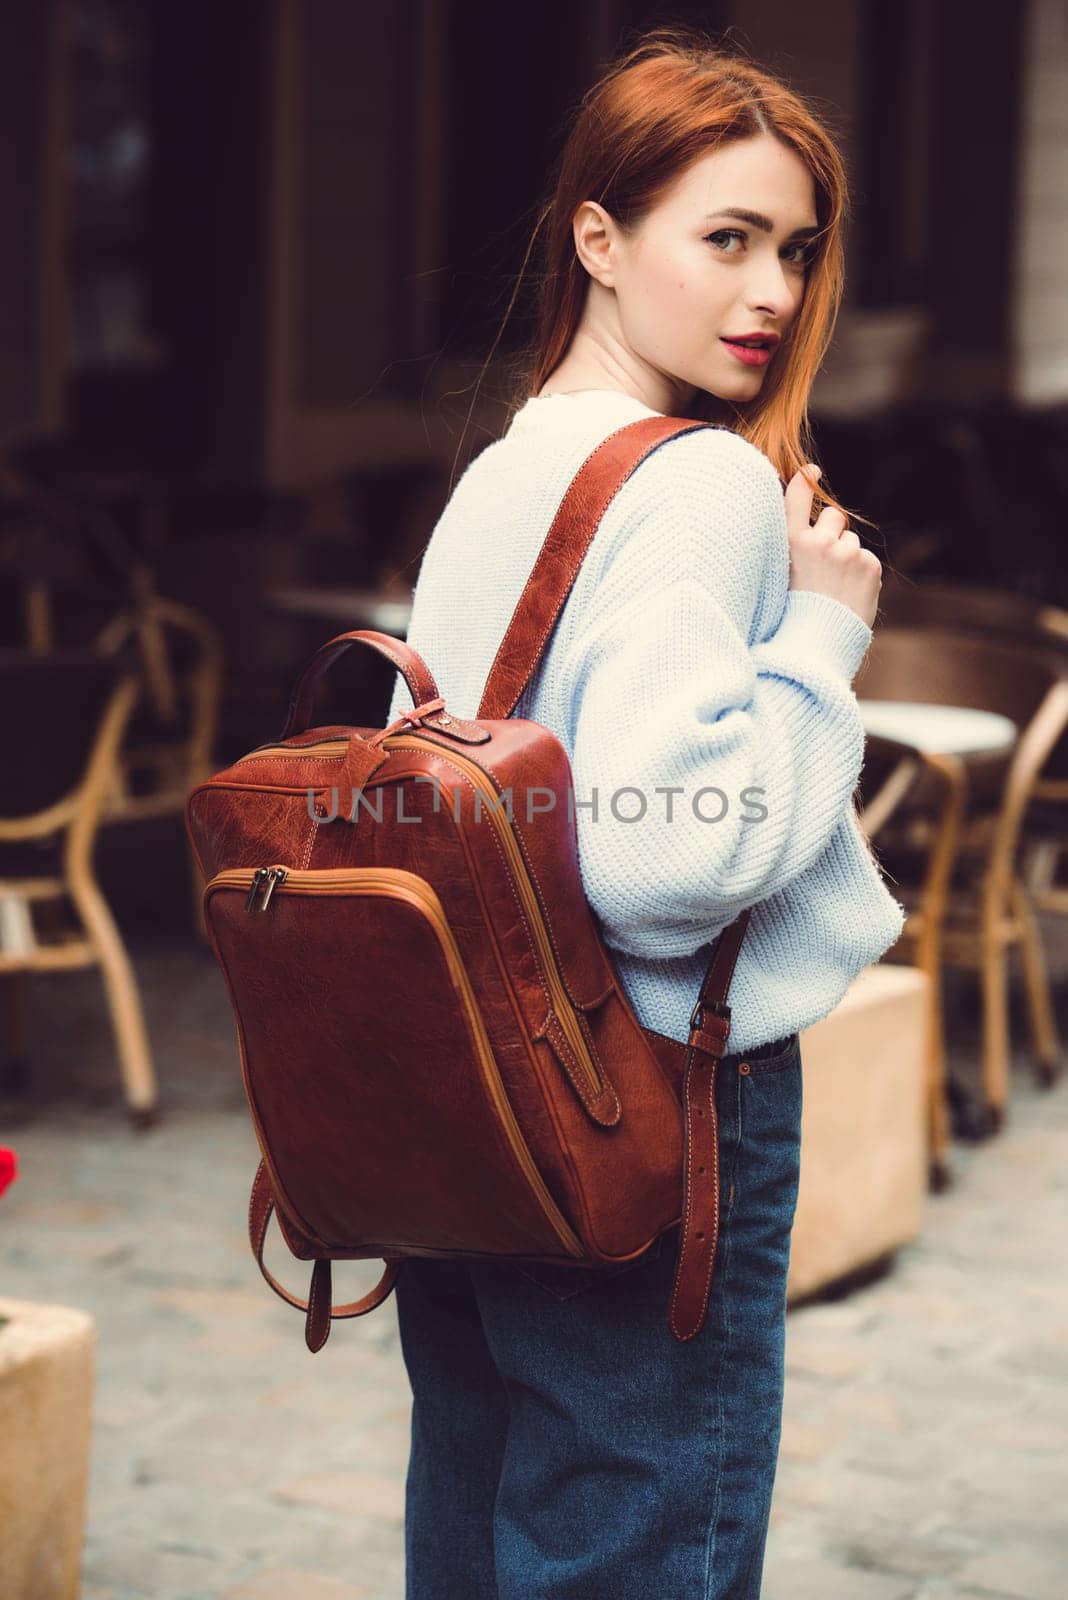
column 552, row 577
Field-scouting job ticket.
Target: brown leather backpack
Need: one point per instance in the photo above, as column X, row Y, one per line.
column 438, row 1056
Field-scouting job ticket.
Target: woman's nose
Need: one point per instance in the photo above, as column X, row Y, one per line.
column 770, row 290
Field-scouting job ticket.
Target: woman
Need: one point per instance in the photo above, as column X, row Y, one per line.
column 564, row 1445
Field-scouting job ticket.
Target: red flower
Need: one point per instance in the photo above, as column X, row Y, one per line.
column 9, row 1169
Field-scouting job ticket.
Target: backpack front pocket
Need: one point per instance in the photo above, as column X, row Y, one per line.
column 369, row 1072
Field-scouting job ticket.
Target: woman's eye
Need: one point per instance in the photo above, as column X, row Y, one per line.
column 725, row 233
column 804, row 256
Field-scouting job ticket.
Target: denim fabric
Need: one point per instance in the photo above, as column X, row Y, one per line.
column 565, row 1446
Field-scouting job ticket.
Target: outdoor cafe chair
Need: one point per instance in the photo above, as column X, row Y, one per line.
column 898, row 780
column 65, row 717
column 986, row 911
column 169, row 747
column 46, row 547
column 1028, row 621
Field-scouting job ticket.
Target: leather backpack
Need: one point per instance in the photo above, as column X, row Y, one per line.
column 438, row 1056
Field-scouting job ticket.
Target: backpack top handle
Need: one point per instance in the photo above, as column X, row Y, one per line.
column 412, row 667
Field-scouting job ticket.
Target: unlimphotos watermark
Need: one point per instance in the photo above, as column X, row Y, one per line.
column 629, row 803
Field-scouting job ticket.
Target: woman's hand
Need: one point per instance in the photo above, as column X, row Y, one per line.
column 826, row 555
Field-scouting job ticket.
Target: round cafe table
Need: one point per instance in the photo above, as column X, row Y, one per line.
column 943, row 739
column 938, row 730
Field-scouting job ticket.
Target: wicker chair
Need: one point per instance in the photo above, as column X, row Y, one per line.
column 174, row 652
column 900, row 785
column 51, row 803
column 177, row 654
column 986, row 911
column 1021, row 620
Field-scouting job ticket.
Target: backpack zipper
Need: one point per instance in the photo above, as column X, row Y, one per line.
column 561, row 1003
column 409, row 886
column 264, row 880
column 547, row 956
column 335, row 746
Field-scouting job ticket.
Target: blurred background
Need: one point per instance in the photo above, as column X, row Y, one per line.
column 255, row 255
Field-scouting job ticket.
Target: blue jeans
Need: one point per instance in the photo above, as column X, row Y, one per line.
column 564, row 1445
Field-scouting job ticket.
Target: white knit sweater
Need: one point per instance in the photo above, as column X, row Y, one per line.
column 681, row 661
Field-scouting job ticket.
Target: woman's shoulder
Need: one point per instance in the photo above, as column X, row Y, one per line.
column 717, row 455
column 707, row 489
column 702, row 514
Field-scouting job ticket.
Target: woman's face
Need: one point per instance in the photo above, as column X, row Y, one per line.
column 691, row 275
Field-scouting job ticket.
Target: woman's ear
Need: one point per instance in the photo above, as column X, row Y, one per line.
column 595, row 236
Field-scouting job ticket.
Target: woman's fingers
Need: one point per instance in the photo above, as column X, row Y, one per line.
column 827, row 555
column 799, row 494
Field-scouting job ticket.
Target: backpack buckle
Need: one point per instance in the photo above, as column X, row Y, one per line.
column 718, row 1008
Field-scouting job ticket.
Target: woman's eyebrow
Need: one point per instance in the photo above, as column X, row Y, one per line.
column 757, row 220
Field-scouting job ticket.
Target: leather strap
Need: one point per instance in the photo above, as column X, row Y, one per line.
column 553, row 575
column 551, row 580
column 412, row 668
column 318, row 1304
column 710, row 1026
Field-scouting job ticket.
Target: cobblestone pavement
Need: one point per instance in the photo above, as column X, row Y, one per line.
column 926, row 1420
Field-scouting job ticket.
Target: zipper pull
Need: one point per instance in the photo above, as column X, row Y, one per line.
column 274, row 876
column 254, row 888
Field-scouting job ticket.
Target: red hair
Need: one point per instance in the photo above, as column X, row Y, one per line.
column 660, row 105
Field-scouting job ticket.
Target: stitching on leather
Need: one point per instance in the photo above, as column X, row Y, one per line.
column 591, row 1044
column 522, row 914
column 610, row 985
column 690, row 1186
column 556, row 610
column 714, row 1162
column 547, row 1099
column 252, row 1203
column 603, row 507
column 318, row 1338
column 443, row 757
column 517, row 1009
column 303, row 694
column 549, row 929
column 400, row 662
column 280, row 1290
column 313, row 834
column 295, row 755
column 531, row 577
column 554, row 1033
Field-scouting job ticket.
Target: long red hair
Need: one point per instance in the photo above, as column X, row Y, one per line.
column 660, row 105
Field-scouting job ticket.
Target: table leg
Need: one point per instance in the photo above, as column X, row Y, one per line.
column 934, row 899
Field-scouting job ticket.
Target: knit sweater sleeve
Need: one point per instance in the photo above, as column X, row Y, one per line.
column 709, row 772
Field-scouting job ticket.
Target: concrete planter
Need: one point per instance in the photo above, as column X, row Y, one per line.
column 47, row 1362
